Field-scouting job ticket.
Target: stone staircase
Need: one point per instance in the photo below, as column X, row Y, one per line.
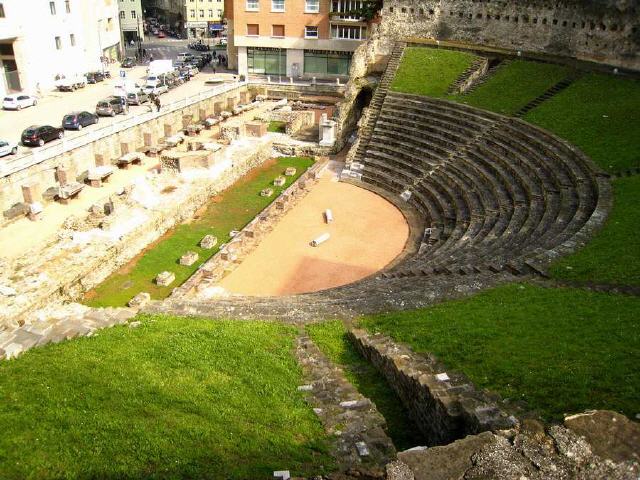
column 489, row 73
column 455, row 87
column 378, row 98
column 550, row 93
column 72, row 321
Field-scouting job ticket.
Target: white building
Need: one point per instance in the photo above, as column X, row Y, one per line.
column 42, row 38
column 131, row 21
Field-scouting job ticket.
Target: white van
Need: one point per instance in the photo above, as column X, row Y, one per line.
column 184, row 57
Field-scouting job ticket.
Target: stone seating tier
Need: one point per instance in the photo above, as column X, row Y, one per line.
column 494, row 189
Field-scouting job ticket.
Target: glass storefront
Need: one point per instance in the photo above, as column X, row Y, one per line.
column 322, row 62
column 267, row 61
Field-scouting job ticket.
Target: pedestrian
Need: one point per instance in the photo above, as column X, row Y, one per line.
column 150, row 58
column 144, row 52
column 132, row 43
column 157, row 102
column 152, row 101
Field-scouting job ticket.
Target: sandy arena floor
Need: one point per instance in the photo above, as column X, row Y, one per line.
column 367, row 233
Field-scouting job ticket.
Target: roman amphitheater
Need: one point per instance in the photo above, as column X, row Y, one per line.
column 431, row 272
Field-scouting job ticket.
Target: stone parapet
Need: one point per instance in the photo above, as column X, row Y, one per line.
column 444, row 405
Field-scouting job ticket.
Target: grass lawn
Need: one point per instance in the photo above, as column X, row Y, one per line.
column 560, row 350
column 276, row 126
column 174, row 398
column 613, row 256
column 601, row 115
column 429, row 71
column 331, row 338
column 231, row 210
column 513, row 86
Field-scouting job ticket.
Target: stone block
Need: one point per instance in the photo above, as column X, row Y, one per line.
column 140, row 300
column 218, row 107
column 280, row 181
column 266, row 192
column 31, row 192
column 148, row 139
column 169, row 129
column 186, row 120
column 290, row 171
column 126, row 147
column 208, row 242
column 231, row 103
column 282, row 475
column 245, row 97
column 255, row 129
column 66, row 175
column 102, row 160
column 189, row 259
column 165, row 279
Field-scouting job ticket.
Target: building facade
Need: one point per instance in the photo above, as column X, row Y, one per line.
column 196, row 19
column 131, row 21
column 40, row 39
column 296, row 38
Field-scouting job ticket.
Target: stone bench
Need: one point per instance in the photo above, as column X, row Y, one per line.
column 130, row 159
column 69, row 191
column 97, row 175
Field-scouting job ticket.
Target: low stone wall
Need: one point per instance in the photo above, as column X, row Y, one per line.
column 444, row 405
column 229, row 257
column 65, row 271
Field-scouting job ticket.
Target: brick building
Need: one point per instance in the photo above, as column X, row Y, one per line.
column 298, row 38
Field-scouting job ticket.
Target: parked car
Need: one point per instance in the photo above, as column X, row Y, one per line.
column 78, row 120
column 7, row 148
column 110, row 107
column 137, row 98
column 19, row 101
column 70, row 83
column 128, row 62
column 95, row 77
column 157, row 90
column 193, row 70
column 37, row 136
column 161, row 35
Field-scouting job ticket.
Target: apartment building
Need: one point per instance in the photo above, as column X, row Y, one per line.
column 131, row 21
column 40, row 39
column 197, row 19
column 297, row 38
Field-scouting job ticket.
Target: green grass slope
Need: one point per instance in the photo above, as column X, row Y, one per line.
column 174, row 398
column 513, row 86
column 428, row 71
column 599, row 114
column 613, row 256
column 231, row 210
column 331, row 338
column 560, row 350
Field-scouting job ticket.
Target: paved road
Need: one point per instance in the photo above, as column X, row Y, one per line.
column 52, row 106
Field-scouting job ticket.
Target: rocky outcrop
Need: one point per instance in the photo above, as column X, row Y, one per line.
column 587, row 447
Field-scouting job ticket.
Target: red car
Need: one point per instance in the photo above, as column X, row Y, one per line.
column 161, row 35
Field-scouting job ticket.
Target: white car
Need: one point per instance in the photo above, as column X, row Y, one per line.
column 157, row 90
column 18, row 101
column 7, row 148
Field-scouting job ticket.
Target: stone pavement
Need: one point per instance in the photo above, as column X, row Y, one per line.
column 63, row 323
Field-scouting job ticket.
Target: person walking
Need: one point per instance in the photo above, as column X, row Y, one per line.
column 157, row 102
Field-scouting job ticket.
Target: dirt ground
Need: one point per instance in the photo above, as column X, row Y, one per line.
column 367, row 233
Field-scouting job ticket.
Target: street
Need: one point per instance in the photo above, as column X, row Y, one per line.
column 52, row 106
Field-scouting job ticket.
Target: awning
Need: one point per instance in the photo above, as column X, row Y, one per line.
column 216, row 27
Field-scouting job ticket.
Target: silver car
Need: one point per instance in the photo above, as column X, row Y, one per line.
column 7, row 148
column 137, row 98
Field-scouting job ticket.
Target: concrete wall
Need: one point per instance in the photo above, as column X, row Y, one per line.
column 605, row 31
column 111, row 147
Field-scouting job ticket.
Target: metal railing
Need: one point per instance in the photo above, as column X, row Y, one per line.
column 9, row 165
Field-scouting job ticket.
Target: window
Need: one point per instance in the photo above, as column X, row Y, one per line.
column 52, row 7
column 347, row 7
column 277, row 31
column 1, row 11
column 323, row 62
column 58, row 43
column 347, row 32
column 267, row 61
column 210, row 13
column 192, row 13
column 133, row 14
column 312, row 6
column 252, row 5
column 201, row 13
column 122, row 14
column 67, row 5
column 109, row 24
column 72, row 40
column 277, row 5
column 310, row 32
column 253, row 29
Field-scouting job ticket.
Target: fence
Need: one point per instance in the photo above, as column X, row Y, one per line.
column 9, row 166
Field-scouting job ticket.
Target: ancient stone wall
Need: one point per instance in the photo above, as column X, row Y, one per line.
column 444, row 405
column 107, row 149
column 606, row 31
